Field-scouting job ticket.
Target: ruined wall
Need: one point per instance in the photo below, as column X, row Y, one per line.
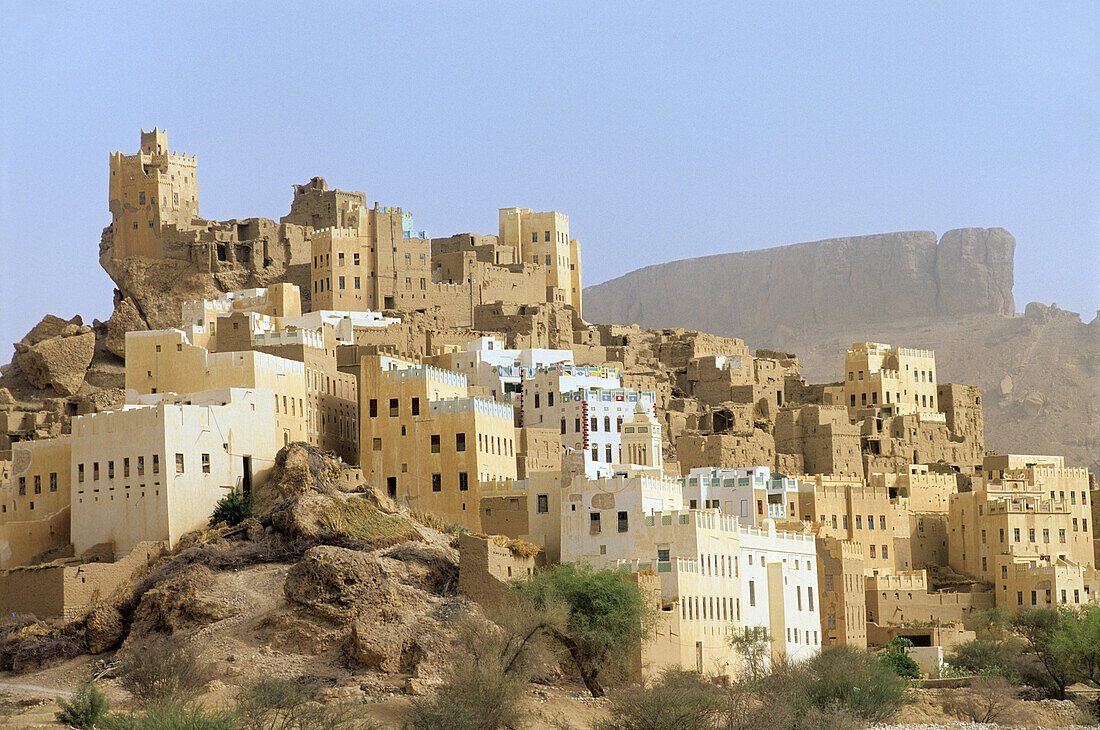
column 484, row 569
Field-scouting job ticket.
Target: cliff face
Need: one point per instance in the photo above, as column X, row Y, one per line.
column 877, row 278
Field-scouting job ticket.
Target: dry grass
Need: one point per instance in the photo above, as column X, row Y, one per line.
column 360, row 520
column 429, row 519
column 518, row 547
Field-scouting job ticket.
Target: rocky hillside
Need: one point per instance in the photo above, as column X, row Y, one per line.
column 1039, row 373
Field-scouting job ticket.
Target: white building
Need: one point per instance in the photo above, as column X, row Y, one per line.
column 154, row 471
column 487, row 363
column 588, row 406
column 752, row 494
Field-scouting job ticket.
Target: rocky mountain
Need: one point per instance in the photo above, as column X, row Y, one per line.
column 1039, row 372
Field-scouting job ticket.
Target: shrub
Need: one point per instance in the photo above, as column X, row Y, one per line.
column 677, row 700
column 164, row 673
column 86, row 709
column 986, row 700
column 271, row 703
column 754, row 645
column 232, row 509
column 487, row 678
column 171, row 716
column 855, row 681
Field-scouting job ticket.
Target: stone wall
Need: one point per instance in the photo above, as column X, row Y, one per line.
column 484, row 569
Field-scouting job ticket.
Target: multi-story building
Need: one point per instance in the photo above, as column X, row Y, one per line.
column 891, row 380
column 850, row 510
column 543, row 239
column 841, row 587
column 154, row 471
column 34, row 499
column 429, row 442
column 166, row 361
column 924, row 496
column 1024, row 524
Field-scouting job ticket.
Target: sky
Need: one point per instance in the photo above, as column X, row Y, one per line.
column 664, row 130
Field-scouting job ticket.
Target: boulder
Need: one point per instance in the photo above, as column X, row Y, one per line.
column 126, row 318
column 59, row 362
column 336, row 583
column 103, row 628
column 51, row 326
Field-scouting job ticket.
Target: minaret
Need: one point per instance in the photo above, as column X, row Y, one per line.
column 641, row 439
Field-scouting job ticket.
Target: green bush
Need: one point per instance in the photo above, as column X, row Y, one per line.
column 232, row 509
column 855, row 681
column 86, row 709
column 896, row 656
column 677, row 700
column 986, row 658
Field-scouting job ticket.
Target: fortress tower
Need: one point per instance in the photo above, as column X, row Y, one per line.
column 149, row 192
column 543, row 239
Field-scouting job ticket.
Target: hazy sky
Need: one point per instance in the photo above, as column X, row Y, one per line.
column 664, row 130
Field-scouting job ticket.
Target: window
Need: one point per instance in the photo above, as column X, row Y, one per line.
column 460, row 442
column 550, row 398
column 23, row 486
column 798, row 597
column 752, row 593
column 356, row 282
column 53, row 481
column 395, row 408
column 607, row 454
column 810, row 597
column 594, row 426
column 206, row 463
column 884, row 555
column 463, row 481
column 882, row 522
column 547, row 238
column 435, row 443
column 542, row 504
column 140, row 467
column 341, row 282
column 535, row 239
column 373, row 407
column 596, row 454
column 563, row 425
column 377, row 444
column 607, row 423
column 536, row 400
column 391, row 487
column 416, row 406
column 1061, row 535
column 156, row 463
column 179, row 463
column 872, row 551
column 623, row 522
column 870, row 522
column 594, row 522
column 437, row 482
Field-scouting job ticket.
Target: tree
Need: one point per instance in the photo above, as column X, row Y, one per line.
column 1052, row 666
column 606, row 616
column 896, row 656
column 232, row 509
column 677, row 700
column 1079, row 639
column 753, row 643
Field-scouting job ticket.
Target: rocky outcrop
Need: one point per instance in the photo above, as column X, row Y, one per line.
column 862, row 279
column 125, row 318
column 337, row 584
column 59, row 362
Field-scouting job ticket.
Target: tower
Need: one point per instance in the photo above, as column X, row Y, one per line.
column 641, row 439
column 148, row 192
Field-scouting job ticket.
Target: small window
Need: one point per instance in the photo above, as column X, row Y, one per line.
column 460, row 442
column 23, row 486
column 126, row 467
column 373, row 408
column 156, row 463
column 416, row 406
column 594, row 522
column 206, row 463
column 437, row 482
column 38, row 484
column 435, row 443
column 395, row 407
column 623, row 521
column 463, row 481
column 377, row 444
column 179, row 463
column 53, row 481
column 542, row 504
